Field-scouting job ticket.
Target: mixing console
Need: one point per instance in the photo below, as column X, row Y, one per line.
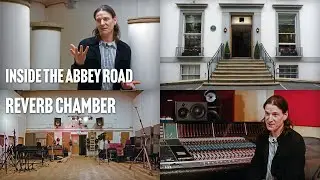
column 210, row 152
column 226, row 149
column 204, row 147
column 229, row 129
column 195, row 130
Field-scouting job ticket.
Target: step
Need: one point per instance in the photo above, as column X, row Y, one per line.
column 242, row 84
column 241, row 62
column 243, row 80
column 241, row 69
column 242, row 65
column 235, row 76
column 241, row 72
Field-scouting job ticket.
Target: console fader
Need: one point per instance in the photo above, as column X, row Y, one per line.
column 206, row 147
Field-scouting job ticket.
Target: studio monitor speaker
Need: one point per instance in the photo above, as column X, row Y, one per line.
column 191, row 111
column 99, row 121
column 57, row 122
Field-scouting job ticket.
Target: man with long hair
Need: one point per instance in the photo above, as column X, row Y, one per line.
column 104, row 50
column 280, row 151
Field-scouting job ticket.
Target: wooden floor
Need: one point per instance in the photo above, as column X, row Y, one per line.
column 83, row 168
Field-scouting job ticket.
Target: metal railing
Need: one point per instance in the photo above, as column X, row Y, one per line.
column 268, row 61
column 289, row 51
column 183, row 51
column 211, row 65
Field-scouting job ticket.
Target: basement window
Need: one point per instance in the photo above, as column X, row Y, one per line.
column 288, row 71
column 189, row 71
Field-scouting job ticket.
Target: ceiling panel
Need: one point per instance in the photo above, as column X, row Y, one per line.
column 49, row 2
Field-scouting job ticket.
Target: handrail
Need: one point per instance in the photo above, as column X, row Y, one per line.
column 267, row 59
column 215, row 59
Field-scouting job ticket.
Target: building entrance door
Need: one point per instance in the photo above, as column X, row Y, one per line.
column 241, row 37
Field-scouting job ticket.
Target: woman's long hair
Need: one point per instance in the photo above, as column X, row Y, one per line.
column 116, row 30
column 282, row 104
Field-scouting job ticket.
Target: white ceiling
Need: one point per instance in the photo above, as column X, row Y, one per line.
column 49, row 2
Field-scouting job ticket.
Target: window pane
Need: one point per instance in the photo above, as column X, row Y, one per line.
column 190, row 72
column 193, row 23
column 185, row 70
column 288, row 50
column 192, row 41
column 288, row 71
column 197, row 70
column 194, row 77
column 286, row 29
column 184, row 77
column 287, row 23
column 287, row 38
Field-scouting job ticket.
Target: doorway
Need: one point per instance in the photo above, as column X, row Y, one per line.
column 241, row 41
column 241, row 36
column 82, row 145
column 75, row 144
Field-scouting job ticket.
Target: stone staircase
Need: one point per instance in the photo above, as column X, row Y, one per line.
column 241, row 72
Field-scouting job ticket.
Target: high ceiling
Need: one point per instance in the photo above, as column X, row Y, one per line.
column 50, row 2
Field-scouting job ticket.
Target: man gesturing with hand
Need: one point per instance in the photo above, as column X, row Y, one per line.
column 103, row 51
column 79, row 56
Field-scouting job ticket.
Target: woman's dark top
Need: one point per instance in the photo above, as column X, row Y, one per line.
column 288, row 162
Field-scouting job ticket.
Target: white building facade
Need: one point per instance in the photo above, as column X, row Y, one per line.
column 192, row 32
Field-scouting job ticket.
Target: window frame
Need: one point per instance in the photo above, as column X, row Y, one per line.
column 196, row 66
column 295, row 30
column 289, row 9
column 183, row 27
column 190, row 8
column 290, row 67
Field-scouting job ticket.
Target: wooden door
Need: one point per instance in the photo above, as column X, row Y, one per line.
column 109, row 135
column 21, row 140
column 124, row 137
column 75, row 144
column 50, row 138
column 66, row 140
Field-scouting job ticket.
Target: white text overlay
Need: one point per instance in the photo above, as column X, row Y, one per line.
column 68, row 76
column 60, row 105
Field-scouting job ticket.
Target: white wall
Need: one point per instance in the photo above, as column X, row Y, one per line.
column 145, row 61
column 10, row 122
column 148, row 106
column 169, row 72
column 307, row 71
column 169, row 27
column 309, row 26
column 37, row 12
column 121, row 120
